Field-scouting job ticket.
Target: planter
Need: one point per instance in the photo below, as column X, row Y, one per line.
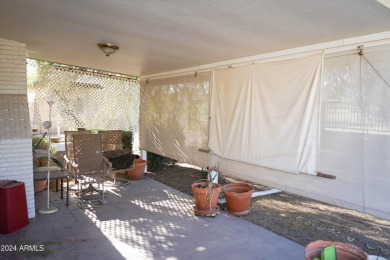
column 206, row 199
column 139, row 169
column 55, row 139
column 343, row 251
column 238, row 198
column 39, row 185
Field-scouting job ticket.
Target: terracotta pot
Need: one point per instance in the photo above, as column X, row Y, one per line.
column 39, row 185
column 55, row 139
column 205, row 199
column 138, row 172
column 343, row 251
column 238, row 198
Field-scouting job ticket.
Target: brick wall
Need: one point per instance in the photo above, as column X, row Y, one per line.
column 12, row 67
column 15, row 132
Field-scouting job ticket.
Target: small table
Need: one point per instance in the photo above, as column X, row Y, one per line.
column 55, row 175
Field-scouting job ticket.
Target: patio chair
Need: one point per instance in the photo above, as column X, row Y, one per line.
column 111, row 140
column 69, row 154
column 112, row 148
column 91, row 168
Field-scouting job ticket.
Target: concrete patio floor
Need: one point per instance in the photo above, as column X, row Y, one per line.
column 143, row 220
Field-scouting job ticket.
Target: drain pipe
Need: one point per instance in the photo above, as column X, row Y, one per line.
column 255, row 194
column 265, row 192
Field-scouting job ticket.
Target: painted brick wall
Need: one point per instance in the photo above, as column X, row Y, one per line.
column 12, row 67
column 15, row 132
column 16, row 164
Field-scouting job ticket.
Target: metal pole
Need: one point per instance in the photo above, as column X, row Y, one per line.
column 47, row 125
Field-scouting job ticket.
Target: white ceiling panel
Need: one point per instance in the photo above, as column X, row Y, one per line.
column 156, row 36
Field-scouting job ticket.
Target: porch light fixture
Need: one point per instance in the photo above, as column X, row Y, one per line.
column 108, row 48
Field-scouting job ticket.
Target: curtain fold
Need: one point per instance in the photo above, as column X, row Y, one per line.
column 267, row 114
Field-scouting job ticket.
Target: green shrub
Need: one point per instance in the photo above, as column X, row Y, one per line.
column 127, row 140
column 94, row 131
column 156, row 161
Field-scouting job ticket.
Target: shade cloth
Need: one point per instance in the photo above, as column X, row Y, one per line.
column 175, row 116
column 267, row 114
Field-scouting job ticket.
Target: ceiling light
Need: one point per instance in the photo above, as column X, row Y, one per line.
column 108, row 48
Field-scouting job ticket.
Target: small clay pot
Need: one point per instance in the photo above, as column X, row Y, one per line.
column 238, row 198
column 206, row 199
column 55, row 139
column 343, row 251
column 138, row 172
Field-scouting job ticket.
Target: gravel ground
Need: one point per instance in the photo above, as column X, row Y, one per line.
column 294, row 217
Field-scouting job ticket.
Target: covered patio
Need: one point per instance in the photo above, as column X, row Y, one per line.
column 144, row 220
column 293, row 96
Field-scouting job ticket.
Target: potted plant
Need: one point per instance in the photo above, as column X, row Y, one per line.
column 238, row 198
column 41, row 144
column 139, row 165
column 342, row 251
column 206, row 194
column 139, row 169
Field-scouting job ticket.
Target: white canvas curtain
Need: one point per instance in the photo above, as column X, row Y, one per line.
column 355, row 126
column 174, row 117
column 267, row 114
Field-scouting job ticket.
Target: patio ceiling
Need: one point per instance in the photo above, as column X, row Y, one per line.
column 156, row 36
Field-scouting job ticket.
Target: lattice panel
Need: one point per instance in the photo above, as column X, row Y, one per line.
column 85, row 99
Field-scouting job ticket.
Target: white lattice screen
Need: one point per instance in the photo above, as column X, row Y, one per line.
column 86, row 99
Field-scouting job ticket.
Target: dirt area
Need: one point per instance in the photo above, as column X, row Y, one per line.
column 294, row 217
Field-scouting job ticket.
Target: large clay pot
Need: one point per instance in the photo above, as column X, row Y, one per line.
column 39, row 185
column 238, row 198
column 138, row 172
column 206, row 199
column 343, row 251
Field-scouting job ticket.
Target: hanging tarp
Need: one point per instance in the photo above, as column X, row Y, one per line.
column 267, row 114
column 355, row 127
